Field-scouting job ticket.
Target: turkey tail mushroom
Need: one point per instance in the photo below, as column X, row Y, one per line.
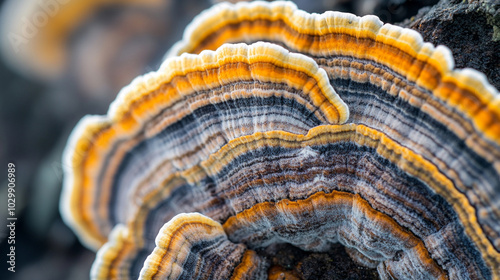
column 353, row 132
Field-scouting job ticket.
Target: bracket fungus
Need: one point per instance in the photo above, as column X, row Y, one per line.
column 36, row 34
column 339, row 129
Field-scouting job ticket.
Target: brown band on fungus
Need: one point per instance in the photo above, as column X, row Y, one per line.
column 241, row 190
column 180, row 88
column 192, row 246
column 415, row 150
column 457, row 112
column 270, row 222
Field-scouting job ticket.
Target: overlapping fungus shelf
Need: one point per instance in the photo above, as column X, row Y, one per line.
column 359, row 134
column 36, row 34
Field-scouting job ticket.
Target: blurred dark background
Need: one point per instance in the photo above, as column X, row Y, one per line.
column 37, row 114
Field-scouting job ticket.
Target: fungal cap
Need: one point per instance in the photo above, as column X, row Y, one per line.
column 36, row 34
column 147, row 96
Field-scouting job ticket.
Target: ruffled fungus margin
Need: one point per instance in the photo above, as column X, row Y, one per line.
column 422, row 148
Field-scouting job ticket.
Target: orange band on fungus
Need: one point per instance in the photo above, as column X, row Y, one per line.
column 269, row 213
column 335, row 34
column 406, row 160
column 179, row 79
column 368, row 137
column 177, row 241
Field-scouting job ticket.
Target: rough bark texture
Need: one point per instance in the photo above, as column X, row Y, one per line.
column 471, row 29
column 289, row 263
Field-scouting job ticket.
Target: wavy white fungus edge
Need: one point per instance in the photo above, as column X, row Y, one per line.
column 440, row 56
column 143, row 85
